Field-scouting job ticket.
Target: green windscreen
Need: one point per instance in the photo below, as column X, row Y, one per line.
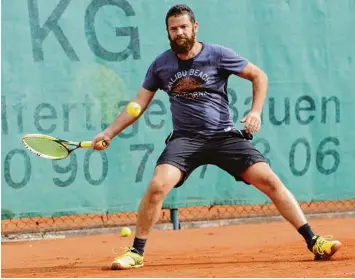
column 70, row 66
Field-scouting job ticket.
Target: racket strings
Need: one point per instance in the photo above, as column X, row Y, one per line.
column 47, row 147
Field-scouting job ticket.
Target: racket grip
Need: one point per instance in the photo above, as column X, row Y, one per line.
column 87, row 144
column 102, row 143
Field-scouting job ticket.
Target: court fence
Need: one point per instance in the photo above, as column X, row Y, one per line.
column 176, row 216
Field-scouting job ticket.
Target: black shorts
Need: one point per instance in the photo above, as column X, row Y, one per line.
column 227, row 150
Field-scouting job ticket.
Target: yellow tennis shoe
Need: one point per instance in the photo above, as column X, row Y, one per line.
column 325, row 247
column 129, row 259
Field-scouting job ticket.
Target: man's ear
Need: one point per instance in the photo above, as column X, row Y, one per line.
column 196, row 26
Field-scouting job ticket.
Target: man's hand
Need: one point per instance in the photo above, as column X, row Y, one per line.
column 252, row 122
column 101, row 136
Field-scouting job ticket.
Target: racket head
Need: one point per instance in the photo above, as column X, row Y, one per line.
column 45, row 146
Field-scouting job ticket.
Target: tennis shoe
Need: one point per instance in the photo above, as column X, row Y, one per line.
column 324, row 247
column 129, row 259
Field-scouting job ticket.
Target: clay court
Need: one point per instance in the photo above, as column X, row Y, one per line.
column 249, row 250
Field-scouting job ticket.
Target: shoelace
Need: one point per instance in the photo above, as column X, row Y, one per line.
column 126, row 249
column 320, row 242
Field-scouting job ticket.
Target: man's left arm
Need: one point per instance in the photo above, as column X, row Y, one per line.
column 259, row 80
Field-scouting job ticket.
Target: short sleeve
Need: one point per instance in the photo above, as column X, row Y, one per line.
column 231, row 62
column 152, row 82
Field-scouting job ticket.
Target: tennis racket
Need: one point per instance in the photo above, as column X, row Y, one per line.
column 53, row 148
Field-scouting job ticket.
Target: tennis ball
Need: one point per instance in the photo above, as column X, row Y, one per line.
column 125, row 231
column 133, row 109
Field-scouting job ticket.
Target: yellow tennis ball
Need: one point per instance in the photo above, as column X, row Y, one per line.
column 126, row 231
column 133, row 109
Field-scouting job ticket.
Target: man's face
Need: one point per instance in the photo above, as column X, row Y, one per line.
column 181, row 33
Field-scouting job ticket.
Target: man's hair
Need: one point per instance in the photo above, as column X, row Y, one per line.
column 178, row 10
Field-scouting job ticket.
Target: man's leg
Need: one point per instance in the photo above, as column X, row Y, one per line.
column 183, row 153
column 165, row 177
column 263, row 178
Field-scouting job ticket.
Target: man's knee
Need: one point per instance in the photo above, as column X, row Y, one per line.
column 265, row 180
column 271, row 183
column 156, row 191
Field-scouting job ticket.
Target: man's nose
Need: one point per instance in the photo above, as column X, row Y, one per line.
column 179, row 31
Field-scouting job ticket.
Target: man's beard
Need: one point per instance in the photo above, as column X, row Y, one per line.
column 185, row 44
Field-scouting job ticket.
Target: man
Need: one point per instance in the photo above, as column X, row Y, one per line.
column 195, row 75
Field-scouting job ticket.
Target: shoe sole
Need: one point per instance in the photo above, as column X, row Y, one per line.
column 118, row 266
column 335, row 248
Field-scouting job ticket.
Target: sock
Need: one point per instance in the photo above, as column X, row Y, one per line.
column 307, row 234
column 138, row 245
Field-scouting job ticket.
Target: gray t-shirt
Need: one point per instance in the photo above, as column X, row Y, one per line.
column 197, row 87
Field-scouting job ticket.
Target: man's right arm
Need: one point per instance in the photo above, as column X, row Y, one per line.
column 143, row 98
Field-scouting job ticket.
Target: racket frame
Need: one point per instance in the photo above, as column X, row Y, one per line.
column 65, row 143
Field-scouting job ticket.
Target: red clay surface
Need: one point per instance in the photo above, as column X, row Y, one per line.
column 254, row 250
